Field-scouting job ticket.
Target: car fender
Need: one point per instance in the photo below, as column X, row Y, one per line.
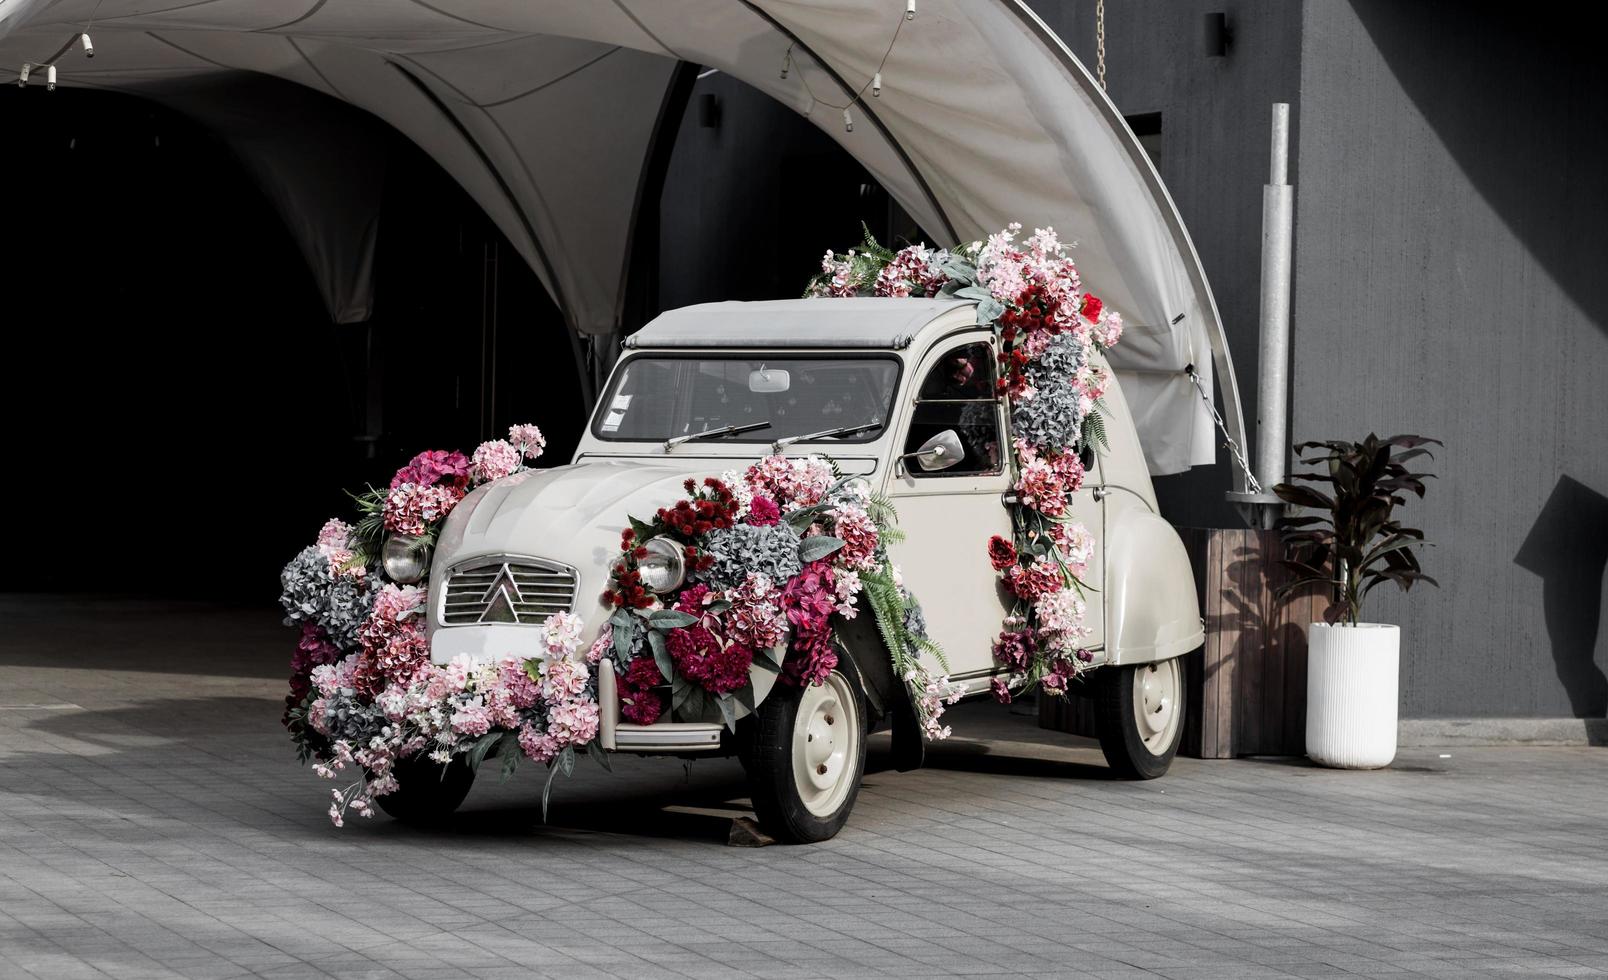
column 1152, row 611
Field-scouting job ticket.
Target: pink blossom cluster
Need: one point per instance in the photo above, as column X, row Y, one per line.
column 915, row 271
column 410, row 508
column 1044, row 482
column 790, row 481
column 837, row 276
column 394, row 645
column 755, row 618
column 494, row 460
column 546, row 705
column 528, row 439
column 335, row 543
column 434, row 466
column 809, row 601
column 859, row 535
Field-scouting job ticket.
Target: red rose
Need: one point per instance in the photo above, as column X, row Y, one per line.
column 1091, row 306
column 1001, row 553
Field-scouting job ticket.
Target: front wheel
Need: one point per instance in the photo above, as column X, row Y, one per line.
column 427, row 792
column 1139, row 715
column 806, row 759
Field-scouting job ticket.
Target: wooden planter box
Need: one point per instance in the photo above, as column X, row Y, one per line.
column 1247, row 686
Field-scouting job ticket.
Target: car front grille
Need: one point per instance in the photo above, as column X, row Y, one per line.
column 519, row 591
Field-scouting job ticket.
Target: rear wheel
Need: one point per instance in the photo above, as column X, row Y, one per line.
column 427, row 792
column 807, row 757
column 1139, row 714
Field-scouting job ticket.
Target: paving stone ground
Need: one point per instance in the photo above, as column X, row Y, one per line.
column 154, row 823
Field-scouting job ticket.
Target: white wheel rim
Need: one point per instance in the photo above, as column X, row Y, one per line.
column 826, row 745
column 1157, row 689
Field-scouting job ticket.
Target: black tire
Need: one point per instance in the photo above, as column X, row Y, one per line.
column 783, row 811
column 427, row 792
column 1117, row 721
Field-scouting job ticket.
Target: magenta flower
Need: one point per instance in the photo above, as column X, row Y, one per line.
column 763, row 512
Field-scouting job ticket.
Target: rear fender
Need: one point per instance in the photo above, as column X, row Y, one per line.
column 1152, row 612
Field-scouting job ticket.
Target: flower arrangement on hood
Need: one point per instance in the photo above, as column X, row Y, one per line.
column 363, row 692
column 1047, row 330
column 775, row 557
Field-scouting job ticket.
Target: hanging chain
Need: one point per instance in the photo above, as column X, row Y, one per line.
column 1233, row 447
column 1099, row 41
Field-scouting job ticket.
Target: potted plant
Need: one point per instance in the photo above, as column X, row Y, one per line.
column 1352, row 546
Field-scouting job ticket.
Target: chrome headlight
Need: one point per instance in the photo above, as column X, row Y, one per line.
column 406, row 558
column 665, row 567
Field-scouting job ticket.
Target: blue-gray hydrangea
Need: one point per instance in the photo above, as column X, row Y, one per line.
column 915, row 621
column 739, row 551
column 1050, row 418
column 311, row 594
column 1060, row 361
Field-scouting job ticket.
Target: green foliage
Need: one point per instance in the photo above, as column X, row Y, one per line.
column 1354, row 543
column 1094, row 430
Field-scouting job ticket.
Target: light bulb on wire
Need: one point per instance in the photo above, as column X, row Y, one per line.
column 848, row 121
column 910, row 10
column 876, row 85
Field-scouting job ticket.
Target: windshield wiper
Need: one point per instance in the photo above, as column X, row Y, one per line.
column 842, row 430
column 729, row 430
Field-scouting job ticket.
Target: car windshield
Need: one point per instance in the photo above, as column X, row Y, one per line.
column 656, row 397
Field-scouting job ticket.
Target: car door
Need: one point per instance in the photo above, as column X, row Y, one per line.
column 948, row 515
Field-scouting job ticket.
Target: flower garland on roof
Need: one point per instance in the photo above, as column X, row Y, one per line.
column 1047, row 330
column 776, row 556
column 363, row 692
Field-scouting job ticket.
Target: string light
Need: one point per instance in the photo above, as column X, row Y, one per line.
column 874, row 83
column 22, row 76
column 50, row 78
column 89, row 46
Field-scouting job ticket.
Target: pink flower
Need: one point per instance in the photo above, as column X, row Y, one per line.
column 600, row 646
column 813, row 657
column 494, row 460
column 763, row 512
column 1002, row 691
column 433, row 466
column 1041, row 577
column 528, row 440
column 471, row 719
column 537, row 744
column 755, row 619
column 563, row 680
column 410, row 508
column 335, row 535
column 859, row 534
column 789, row 481
column 515, row 682
column 573, row 723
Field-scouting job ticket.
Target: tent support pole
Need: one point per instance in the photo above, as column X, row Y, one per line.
column 1273, row 380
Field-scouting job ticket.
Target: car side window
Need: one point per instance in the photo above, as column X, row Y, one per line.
column 958, row 393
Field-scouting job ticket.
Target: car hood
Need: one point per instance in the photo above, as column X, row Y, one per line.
column 569, row 514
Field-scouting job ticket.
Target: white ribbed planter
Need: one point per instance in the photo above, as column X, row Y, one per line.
column 1351, row 694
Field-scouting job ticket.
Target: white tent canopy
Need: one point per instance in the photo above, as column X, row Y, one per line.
column 546, row 112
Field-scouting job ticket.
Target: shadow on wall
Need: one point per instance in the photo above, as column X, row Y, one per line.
column 1568, row 548
column 1533, row 85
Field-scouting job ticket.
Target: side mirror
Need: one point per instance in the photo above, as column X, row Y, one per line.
column 938, row 453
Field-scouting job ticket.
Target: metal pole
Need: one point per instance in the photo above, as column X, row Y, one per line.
column 1272, row 390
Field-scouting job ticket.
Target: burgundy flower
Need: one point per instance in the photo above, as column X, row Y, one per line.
column 1001, row 553
column 813, row 657
column 700, row 657
column 1002, row 691
column 691, row 599
column 639, row 703
column 763, row 512
column 1014, row 650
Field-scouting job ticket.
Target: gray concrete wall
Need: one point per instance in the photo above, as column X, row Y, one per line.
column 1214, row 157
column 1450, row 281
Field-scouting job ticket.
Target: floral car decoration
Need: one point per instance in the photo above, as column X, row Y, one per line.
column 364, row 695
column 772, row 561
column 769, row 560
column 1046, row 328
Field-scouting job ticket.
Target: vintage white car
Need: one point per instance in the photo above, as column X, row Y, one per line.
column 873, row 384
